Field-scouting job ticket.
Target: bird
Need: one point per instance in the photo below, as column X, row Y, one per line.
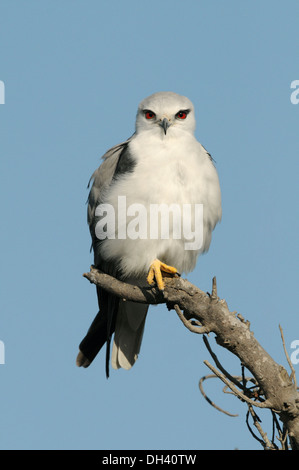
column 161, row 165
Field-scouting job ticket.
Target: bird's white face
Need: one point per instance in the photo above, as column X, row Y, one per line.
column 165, row 114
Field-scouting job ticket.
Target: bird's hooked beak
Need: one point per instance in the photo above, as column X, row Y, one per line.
column 165, row 124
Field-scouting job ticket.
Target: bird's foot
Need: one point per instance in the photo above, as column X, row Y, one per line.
column 155, row 273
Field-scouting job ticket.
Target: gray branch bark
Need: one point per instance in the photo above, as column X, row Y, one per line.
column 204, row 313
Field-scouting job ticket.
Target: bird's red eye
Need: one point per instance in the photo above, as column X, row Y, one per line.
column 181, row 115
column 149, row 115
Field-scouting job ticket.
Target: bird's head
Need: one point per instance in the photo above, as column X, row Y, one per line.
column 166, row 114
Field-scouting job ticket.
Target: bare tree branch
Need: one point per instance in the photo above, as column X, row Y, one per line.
column 211, row 314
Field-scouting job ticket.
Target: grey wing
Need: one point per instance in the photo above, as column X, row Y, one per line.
column 116, row 160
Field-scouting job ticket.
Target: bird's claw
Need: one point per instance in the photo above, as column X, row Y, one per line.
column 155, row 273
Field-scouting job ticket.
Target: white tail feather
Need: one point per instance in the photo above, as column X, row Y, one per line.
column 128, row 334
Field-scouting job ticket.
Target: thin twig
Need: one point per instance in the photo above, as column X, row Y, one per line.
column 240, row 395
column 251, row 431
column 218, row 364
column 214, row 289
column 283, row 437
column 293, row 373
column 188, row 324
column 211, row 376
column 256, row 421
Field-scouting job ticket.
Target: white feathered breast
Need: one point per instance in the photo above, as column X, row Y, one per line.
column 170, row 171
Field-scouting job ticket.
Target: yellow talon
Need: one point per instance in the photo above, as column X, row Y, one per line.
column 155, row 273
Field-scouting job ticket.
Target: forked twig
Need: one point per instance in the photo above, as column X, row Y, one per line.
column 265, row 442
column 218, row 364
column 240, row 395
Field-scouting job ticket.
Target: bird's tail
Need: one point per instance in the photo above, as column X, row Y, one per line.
column 100, row 331
column 128, row 334
column 127, row 319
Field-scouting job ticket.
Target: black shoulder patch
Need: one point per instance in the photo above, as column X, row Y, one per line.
column 125, row 163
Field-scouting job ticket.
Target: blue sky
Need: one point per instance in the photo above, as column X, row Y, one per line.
column 74, row 73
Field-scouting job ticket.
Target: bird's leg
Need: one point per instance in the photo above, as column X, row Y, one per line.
column 155, row 273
